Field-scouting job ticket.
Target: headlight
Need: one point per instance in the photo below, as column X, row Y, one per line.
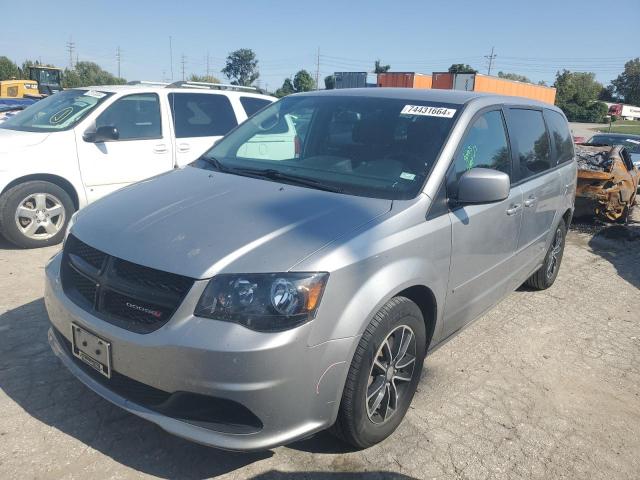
column 266, row 302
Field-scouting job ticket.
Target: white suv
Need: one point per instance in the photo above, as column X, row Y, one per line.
column 78, row 145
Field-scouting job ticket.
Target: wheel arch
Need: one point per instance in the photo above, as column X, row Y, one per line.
column 424, row 297
column 47, row 177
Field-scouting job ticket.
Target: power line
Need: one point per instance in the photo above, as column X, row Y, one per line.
column 71, row 45
column 490, row 57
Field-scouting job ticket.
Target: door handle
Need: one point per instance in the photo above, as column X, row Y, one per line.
column 184, row 147
column 160, row 148
column 514, row 209
column 530, row 202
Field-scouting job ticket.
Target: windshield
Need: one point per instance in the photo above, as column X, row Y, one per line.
column 57, row 112
column 47, row 77
column 367, row 146
column 632, row 143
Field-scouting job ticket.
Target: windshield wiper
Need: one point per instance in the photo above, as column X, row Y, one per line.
column 273, row 174
column 213, row 161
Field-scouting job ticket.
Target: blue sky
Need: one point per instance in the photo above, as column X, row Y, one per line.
column 534, row 38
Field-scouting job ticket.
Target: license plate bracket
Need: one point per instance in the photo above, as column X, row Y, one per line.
column 91, row 349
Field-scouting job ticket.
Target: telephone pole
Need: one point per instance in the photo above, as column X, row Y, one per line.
column 171, row 57
column 490, row 58
column 118, row 58
column 71, row 45
column 318, row 69
column 207, row 65
column 183, row 61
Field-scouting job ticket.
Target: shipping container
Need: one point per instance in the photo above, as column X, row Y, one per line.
column 351, row 79
column 477, row 82
column 404, row 80
column 442, row 80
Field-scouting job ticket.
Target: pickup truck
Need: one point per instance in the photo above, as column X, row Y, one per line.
column 78, row 145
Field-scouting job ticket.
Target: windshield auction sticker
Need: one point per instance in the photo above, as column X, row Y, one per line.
column 428, row 111
column 94, row 94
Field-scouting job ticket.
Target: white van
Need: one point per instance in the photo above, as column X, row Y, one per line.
column 78, row 145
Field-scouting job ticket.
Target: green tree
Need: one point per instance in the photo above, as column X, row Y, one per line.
column 608, row 94
column 203, row 78
column 286, row 89
column 514, row 76
column 330, row 82
column 462, row 68
column 543, row 83
column 379, row 68
column 577, row 94
column 85, row 74
column 627, row 85
column 303, row 82
column 242, row 67
column 8, row 69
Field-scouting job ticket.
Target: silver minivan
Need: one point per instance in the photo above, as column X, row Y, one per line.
column 260, row 295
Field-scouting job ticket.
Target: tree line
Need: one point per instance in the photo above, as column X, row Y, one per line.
column 578, row 94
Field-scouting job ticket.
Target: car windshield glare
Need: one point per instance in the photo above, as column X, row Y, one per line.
column 57, row 112
column 366, row 146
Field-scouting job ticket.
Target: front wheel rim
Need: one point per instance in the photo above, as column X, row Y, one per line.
column 391, row 374
column 40, row 216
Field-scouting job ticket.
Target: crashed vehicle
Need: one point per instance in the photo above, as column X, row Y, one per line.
column 607, row 182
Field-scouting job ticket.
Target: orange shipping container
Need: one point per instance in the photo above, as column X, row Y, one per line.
column 485, row 83
column 404, row 80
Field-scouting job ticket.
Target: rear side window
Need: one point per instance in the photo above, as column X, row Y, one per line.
column 484, row 145
column 201, row 115
column 531, row 141
column 560, row 136
column 252, row 104
column 137, row 117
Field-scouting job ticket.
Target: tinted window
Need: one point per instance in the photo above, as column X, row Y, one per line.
column 532, row 142
column 137, row 117
column 560, row 135
column 252, row 104
column 201, row 115
column 484, row 145
column 376, row 147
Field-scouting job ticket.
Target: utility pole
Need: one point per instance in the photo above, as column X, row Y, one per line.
column 71, row 45
column 207, row 65
column 318, row 69
column 118, row 58
column 490, row 58
column 183, row 61
column 171, row 57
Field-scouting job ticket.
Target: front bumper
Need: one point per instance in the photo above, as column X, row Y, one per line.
column 292, row 388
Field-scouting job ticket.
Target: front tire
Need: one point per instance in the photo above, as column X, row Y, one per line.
column 546, row 275
column 35, row 214
column 384, row 374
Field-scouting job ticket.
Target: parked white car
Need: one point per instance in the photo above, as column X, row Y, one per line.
column 78, row 145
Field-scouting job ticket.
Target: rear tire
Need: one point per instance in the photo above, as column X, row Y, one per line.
column 547, row 273
column 35, row 214
column 382, row 379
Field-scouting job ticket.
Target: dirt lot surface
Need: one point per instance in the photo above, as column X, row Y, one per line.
column 546, row 385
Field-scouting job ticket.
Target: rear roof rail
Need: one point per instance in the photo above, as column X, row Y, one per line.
column 147, row 82
column 210, row 86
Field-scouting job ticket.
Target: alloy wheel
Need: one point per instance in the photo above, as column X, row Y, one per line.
column 391, row 374
column 554, row 257
column 40, row 216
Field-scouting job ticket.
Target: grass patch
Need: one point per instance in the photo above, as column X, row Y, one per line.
column 631, row 127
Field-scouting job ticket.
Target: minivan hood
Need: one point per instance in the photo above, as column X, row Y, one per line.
column 198, row 223
column 11, row 140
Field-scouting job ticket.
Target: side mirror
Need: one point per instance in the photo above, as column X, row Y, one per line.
column 483, row 185
column 106, row 133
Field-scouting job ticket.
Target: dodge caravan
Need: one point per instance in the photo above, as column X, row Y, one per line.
column 248, row 300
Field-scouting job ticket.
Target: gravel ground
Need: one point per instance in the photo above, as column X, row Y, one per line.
column 546, row 385
column 586, row 130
